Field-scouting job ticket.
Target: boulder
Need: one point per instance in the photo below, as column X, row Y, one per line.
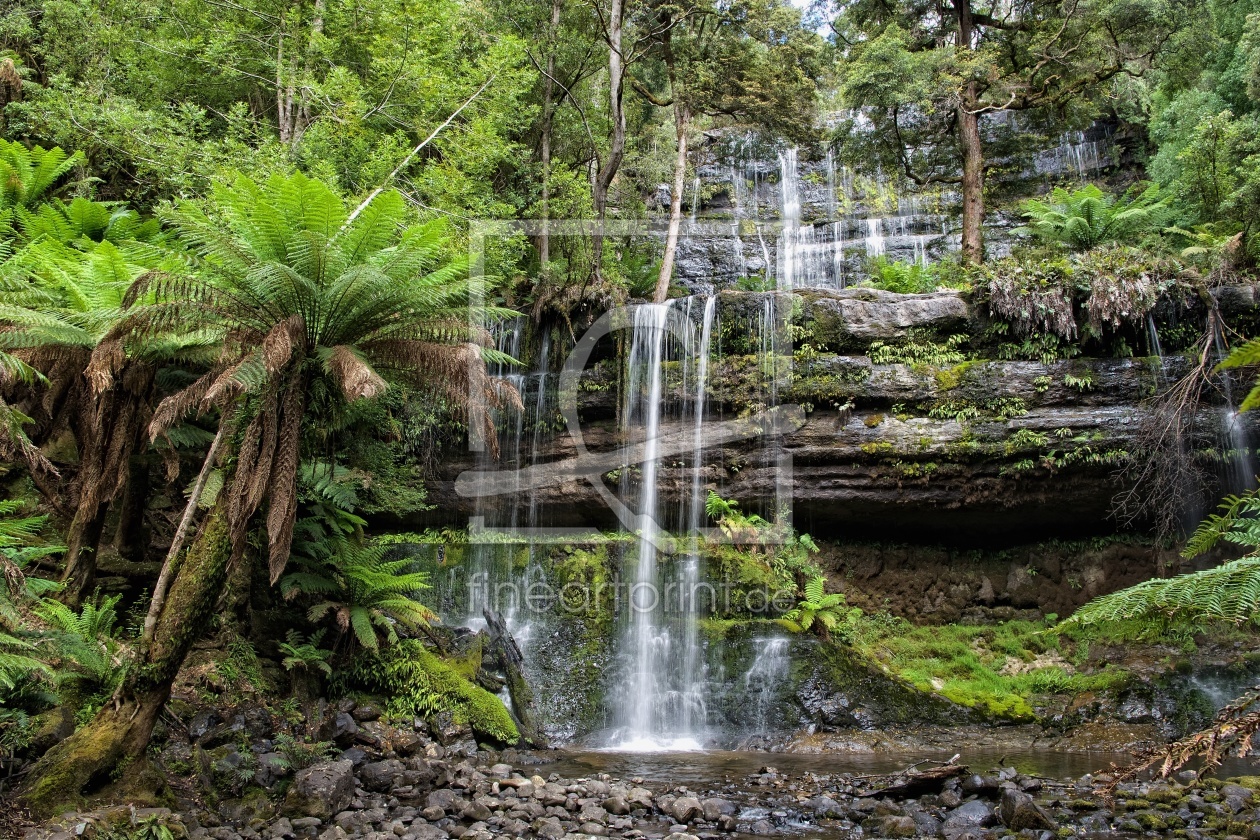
column 1020, row 811
column 639, row 798
column 715, row 807
column 381, row 776
column 321, row 790
column 687, row 809
column 973, row 814
column 896, row 825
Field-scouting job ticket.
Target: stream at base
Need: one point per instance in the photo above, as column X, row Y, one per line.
column 717, row 767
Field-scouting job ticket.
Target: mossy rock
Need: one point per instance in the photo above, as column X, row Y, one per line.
column 418, row 682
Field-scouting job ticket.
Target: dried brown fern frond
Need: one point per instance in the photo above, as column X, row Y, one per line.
column 1231, row 733
column 353, row 375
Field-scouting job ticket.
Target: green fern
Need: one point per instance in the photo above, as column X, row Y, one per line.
column 366, row 595
column 305, row 654
column 1226, row 594
column 825, row 613
column 1245, row 355
column 83, row 644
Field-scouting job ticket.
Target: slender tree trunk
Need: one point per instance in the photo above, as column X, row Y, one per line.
column 544, row 147
column 119, row 734
column 170, row 564
column 616, row 109
column 682, row 118
column 972, row 152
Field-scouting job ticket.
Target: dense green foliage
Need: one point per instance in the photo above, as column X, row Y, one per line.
column 234, row 270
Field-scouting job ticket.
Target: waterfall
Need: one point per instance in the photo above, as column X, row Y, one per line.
column 1152, row 335
column 695, row 199
column 874, row 237
column 764, row 678
column 1240, row 467
column 662, row 704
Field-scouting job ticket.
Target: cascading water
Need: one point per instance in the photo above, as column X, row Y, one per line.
column 874, row 237
column 764, row 679
column 662, row 700
column 813, row 255
column 790, row 235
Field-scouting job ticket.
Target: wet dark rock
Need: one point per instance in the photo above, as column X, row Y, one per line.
column 448, row 731
column 364, row 712
column 202, row 722
column 617, row 805
column 272, row 767
column 978, row 785
column 339, row 728
column 476, row 811
column 970, row 814
column 446, row 799
column 321, row 791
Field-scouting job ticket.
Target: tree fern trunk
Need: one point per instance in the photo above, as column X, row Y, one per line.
column 82, row 543
column 120, row 734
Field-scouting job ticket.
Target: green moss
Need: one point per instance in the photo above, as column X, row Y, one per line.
column 873, row 421
column 967, row 664
column 947, row 379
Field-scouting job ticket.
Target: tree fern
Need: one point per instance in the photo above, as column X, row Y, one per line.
column 1088, row 217
column 1245, row 355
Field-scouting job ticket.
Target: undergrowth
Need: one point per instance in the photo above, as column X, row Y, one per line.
column 419, row 684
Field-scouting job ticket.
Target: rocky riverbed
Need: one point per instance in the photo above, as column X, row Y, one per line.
column 392, row 782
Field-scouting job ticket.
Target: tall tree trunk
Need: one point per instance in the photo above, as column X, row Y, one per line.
column 544, row 146
column 972, row 151
column 129, row 538
column 119, row 733
column 617, row 110
column 82, row 544
column 682, row 118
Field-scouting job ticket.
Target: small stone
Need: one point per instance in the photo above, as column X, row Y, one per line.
column 616, row 805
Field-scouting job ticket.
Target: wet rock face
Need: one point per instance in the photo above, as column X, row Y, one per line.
column 932, row 447
column 856, row 317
